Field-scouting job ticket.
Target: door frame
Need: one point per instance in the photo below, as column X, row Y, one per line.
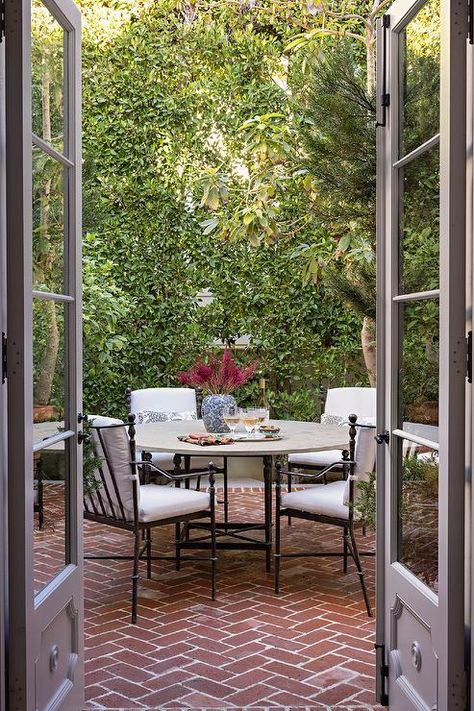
column 452, row 357
column 30, row 615
column 3, row 392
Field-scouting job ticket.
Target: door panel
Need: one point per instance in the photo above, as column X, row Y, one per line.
column 44, row 342
column 422, row 351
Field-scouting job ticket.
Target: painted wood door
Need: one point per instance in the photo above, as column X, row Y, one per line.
column 422, row 353
column 43, row 174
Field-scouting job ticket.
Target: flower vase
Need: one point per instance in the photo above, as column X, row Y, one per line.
column 212, row 411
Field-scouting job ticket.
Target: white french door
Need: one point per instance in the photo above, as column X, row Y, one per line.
column 422, row 351
column 43, row 235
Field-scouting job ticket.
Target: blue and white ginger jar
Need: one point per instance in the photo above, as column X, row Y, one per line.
column 212, row 410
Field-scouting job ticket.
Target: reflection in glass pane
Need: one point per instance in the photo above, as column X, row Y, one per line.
column 48, row 223
column 419, row 370
column 50, row 481
column 419, row 224
column 418, row 514
column 47, row 76
column 419, row 77
column 48, row 366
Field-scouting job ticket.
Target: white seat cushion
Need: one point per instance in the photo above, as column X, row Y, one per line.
column 164, row 460
column 316, row 459
column 324, row 499
column 159, row 502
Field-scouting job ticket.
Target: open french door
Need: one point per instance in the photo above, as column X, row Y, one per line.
column 422, row 354
column 43, row 169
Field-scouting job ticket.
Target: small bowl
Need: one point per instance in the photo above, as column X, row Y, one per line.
column 269, row 429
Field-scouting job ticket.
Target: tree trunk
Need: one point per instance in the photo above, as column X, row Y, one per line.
column 43, row 387
column 369, row 349
column 370, row 56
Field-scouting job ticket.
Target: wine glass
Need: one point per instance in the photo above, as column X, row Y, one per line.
column 231, row 417
column 250, row 419
column 263, row 415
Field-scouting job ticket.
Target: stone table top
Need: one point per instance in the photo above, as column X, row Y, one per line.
column 296, row 437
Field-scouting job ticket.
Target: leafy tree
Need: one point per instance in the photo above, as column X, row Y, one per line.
column 167, row 142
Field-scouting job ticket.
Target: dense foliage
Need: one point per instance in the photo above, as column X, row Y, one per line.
column 230, row 148
column 169, row 132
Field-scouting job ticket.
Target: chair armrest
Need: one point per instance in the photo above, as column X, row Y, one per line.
column 171, row 477
column 287, row 472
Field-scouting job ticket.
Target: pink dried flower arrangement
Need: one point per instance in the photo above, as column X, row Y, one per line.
column 218, row 377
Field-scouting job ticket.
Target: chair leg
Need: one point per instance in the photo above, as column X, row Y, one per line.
column 344, row 550
column 212, row 502
column 148, row 553
column 289, row 491
column 178, row 547
column 136, row 555
column 277, row 554
column 355, row 555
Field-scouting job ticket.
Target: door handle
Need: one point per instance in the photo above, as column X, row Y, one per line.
column 83, row 438
column 382, row 437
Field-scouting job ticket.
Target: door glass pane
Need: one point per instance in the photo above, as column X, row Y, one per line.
column 418, row 512
column 419, row 369
column 420, row 78
column 48, row 223
column 48, row 367
column 50, row 482
column 419, row 224
column 47, row 75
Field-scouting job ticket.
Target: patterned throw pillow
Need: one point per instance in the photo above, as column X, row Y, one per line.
column 155, row 416
column 327, row 419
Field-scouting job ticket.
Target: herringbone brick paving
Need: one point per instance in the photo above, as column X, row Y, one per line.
column 309, row 648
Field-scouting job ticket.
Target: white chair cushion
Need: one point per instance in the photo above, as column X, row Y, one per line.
column 117, row 444
column 316, row 459
column 159, row 502
column 327, row 419
column 164, row 460
column 323, row 499
column 364, row 458
column 156, row 416
column 345, row 401
column 163, row 400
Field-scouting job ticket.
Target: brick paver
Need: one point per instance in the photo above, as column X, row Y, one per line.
column 309, row 648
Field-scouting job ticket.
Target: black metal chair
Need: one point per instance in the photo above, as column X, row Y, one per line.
column 177, row 403
column 116, row 498
column 331, row 503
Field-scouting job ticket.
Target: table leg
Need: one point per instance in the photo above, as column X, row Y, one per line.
column 177, row 472
column 226, row 496
column 268, row 477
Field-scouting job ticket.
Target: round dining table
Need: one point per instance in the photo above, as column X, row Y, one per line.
column 295, row 437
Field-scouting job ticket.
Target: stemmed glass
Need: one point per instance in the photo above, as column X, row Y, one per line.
column 250, row 419
column 263, row 415
column 231, row 417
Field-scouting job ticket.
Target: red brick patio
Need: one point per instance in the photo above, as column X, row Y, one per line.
column 311, row 647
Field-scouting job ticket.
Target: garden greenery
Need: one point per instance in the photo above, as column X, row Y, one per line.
column 197, row 177
column 170, row 136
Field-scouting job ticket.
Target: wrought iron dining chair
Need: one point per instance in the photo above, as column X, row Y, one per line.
column 164, row 404
column 331, row 503
column 116, row 498
column 340, row 402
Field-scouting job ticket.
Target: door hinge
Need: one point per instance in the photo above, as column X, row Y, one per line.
column 4, row 358
column 383, row 671
column 470, row 21
column 382, row 82
column 382, row 437
column 2, row 20
column 469, row 357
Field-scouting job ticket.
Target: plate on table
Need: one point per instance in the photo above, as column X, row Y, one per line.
column 206, row 440
column 257, row 437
